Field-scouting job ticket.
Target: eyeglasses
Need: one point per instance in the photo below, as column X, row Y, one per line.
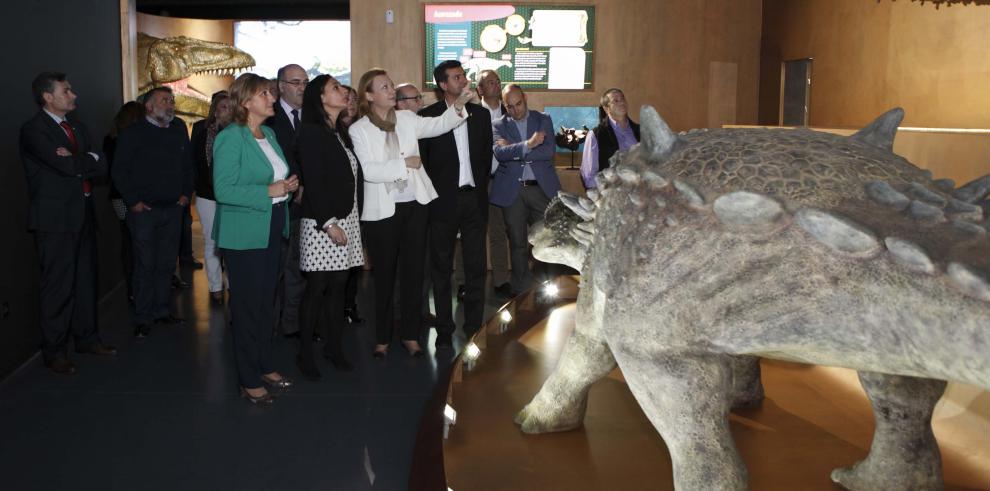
column 417, row 97
column 296, row 83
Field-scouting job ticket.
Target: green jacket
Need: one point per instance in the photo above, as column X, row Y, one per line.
column 241, row 175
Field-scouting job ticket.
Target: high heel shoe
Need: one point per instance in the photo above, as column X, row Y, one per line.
column 263, row 400
column 413, row 348
column 380, row 351
column 283, row 383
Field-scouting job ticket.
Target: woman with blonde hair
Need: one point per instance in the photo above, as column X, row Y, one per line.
column 252, row 186
column 396, row 191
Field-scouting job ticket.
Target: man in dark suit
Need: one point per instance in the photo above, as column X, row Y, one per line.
column 526, row 179
column 292, row 80
column 59, row 160
column 153, row 171
column 458, row 163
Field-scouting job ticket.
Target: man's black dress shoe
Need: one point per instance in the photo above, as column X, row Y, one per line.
column 98, row 349
column 505, row 290
column 142, row 331
column 308, row 369
column 169, row 320
column 339, row 362
column 353, row 316
column 191, row 262
column 178, row 282
column 61, row 366
column 443, row 341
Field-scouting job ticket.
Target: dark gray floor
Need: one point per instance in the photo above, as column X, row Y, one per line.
column 165, row 413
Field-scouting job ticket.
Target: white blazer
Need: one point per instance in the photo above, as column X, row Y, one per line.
column 369, row 146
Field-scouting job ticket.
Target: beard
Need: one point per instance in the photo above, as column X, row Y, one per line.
column 164, row 117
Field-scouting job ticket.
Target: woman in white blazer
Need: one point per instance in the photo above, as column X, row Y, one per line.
column 396, row 191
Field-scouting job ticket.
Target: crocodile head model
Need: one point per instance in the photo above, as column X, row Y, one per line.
column 705, row 250
column 171, row 61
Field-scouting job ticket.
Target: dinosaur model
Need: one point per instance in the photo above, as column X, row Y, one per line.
column 703, row 251
column 171, row 61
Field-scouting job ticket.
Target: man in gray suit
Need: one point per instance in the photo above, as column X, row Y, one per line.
column 525, row 179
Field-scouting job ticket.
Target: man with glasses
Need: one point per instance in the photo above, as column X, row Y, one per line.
column 292, row 80
column 407, row 97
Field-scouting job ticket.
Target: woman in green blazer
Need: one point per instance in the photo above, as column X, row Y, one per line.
column 252, row 186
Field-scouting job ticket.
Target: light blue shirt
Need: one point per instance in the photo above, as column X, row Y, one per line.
column 527, row 173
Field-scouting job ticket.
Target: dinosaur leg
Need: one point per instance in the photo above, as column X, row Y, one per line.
column 561, row 403
column 904, row 454
column 687, row 398
column 747, row 388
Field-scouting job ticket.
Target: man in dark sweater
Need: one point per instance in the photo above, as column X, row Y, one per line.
column 153, row 171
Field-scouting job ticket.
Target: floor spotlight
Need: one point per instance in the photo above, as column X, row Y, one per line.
column 551, row 290
column 449, row 419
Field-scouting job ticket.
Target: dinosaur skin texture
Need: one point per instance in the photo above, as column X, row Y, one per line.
column 170, row 61
column 703, row 251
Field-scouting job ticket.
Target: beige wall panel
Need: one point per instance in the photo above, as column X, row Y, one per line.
column 871, row 56
column 721, row 94
column 658, row 52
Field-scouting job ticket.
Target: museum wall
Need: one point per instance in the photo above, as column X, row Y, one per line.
column 870, row 56
column 82, row 39
column 696, row 61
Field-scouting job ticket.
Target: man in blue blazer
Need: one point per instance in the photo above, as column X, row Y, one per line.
column 525, row 180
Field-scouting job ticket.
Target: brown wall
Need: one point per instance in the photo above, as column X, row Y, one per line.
column 696, row 61
column 872, row 55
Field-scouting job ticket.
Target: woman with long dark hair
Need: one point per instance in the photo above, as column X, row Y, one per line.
column 396, row 191
column 204, row 133
column 126, row 116
column 252, row 185
column 330, row 237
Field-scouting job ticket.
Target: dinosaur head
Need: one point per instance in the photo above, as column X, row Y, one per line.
column 563, row 237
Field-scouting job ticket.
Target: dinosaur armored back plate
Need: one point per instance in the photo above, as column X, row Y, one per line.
column 704, row 250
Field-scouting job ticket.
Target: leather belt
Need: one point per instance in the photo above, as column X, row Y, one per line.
column 531, row 182
column 466, row 188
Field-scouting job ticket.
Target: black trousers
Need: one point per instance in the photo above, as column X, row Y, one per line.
column 471, row 221
column 291, row 283
column 325, row 297
column 396, row 244
column 68, row 287
column 155, row 239
column 185, row 233
column 350, row 292
column 127, row 256
column 253, row 276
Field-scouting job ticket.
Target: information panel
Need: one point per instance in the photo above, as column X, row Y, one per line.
column 535, row 46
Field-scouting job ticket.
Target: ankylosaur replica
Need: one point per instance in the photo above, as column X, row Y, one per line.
column 703, row 251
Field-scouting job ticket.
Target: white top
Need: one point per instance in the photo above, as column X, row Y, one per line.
column 466, row 177
column 369, row 146
column 278, row 165
column 288, row 112
column 496, row 114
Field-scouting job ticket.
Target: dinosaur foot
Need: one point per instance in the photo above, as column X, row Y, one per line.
column 545, row 415
column 867, row 475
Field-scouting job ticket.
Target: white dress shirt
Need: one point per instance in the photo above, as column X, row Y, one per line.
column 496, row 114
column 288, row 112
column 58, row 121
column 463, row 154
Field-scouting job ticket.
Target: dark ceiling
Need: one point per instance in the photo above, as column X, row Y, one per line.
column 248, row 9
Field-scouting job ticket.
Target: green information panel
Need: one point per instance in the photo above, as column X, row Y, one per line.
column 535, row 46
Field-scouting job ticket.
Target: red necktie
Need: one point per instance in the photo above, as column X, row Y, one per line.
column 87, row 186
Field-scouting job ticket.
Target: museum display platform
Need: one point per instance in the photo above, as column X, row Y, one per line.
column 814, row 419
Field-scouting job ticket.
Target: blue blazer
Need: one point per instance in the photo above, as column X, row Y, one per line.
column 511, row 158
